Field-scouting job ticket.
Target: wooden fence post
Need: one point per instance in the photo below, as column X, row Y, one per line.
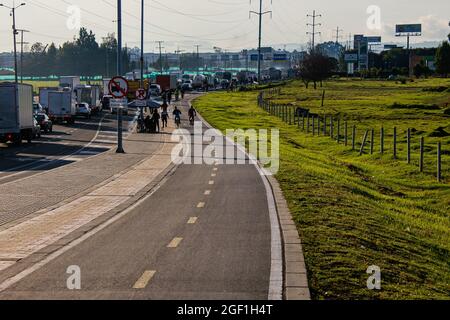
column 323, row 98
column 422, row 146
column 439, row 165
column 382, row 140
column 303, row 121
column 325, row 125
column 363, row 143
column 290, row 115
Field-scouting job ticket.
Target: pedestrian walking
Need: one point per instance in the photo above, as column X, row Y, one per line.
column 156, row 117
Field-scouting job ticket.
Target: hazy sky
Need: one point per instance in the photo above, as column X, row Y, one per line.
column 222, row 23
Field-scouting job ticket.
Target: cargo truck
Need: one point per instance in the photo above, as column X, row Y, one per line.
column 90, row 95
column 69, row 82
column 16, row 113
column 167, row 82
column 61, row 106
column 43, row 96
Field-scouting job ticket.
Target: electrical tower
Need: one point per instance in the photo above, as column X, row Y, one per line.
column 260, row 14
column 338, row 31
column 313, row 25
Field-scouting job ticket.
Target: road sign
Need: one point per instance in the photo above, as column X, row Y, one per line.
column 118, row 87
column 141, row 94
column 116, row 103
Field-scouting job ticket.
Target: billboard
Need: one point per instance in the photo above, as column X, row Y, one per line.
column 351, row 57
column 254, row 57
column 280, row 57
column 373, row 39
column 408, row 28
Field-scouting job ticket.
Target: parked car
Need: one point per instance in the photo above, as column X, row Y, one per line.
column 45, row 122
column 36, row 130
column 83, row 110
column 155, row 90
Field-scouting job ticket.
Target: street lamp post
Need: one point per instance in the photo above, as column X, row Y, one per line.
column 13, row 11
column 119, row 72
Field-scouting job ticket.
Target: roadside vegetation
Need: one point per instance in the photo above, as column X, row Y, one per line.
column 354, row 212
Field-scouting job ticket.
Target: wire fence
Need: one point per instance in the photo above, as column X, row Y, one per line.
column 381, row 141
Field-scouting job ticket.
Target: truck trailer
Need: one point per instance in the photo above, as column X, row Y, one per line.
column 16, row 113
column 61, row 106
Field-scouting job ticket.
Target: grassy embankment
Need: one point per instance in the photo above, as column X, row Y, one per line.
column 353, row 212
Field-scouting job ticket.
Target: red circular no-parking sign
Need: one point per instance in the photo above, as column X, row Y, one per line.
column 118, row 87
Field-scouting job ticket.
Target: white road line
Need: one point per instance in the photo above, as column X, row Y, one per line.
column 30, row 166
column 211, row 182
column 207, row 192
column 175, row 243
column 192, row 220
column 144, row 279
column 201, row 205
column 213, row 175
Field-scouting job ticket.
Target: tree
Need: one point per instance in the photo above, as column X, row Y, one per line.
column 443, row 59
column 316, row 67
column 421, row 70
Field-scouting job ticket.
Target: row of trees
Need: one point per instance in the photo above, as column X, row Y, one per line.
column 83, row 56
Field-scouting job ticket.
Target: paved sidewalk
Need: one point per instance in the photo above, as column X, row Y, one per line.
column 44, row 208
column 29, row 195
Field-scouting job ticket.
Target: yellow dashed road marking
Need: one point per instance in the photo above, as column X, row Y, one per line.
column 201, row 205
column 175, row 243
column 192, row 220
column 144, row 280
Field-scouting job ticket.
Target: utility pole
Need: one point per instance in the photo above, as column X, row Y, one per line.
column 337, row 34
column 160, row 56
column 142, row 43
column 119, row 37
column 21, row 52
column 313, row 25
column 119, row 73
column 179, row 57
column 13, row 13
column 198, row 58
column 260, row 14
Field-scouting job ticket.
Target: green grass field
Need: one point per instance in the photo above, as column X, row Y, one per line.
column 353, row 212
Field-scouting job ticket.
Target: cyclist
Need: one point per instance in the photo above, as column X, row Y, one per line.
column 192, row 115
column 177, row 114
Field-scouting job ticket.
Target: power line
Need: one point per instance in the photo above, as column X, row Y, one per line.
column 337, row 34
column 313, row 25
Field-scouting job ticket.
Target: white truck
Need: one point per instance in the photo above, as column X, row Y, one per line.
column 61, row 106
column 43, row 95
column 199, row 81
column 16, row 113
column 90, row 95
column 69, row 82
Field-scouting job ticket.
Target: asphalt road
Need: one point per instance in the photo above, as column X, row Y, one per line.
column 204, row 234
column 49, row 151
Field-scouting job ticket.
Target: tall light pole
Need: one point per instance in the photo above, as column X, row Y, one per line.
column 260, row 14
column 142, row 43
column 13, row 13
column 119, row 73
column 119, row 37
